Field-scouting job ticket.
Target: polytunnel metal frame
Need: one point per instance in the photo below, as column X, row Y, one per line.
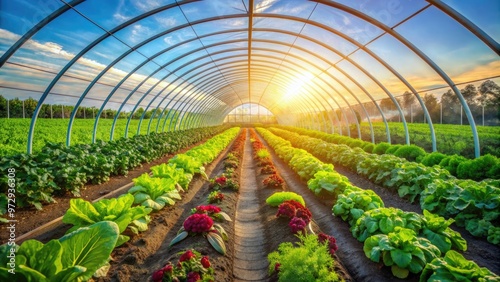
column 211, row 95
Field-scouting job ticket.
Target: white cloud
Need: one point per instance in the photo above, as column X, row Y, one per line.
column 166, row 21
column 146, row 5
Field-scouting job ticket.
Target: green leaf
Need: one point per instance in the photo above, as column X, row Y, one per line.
column 399, row 272
column 181, row 236
column 440, row 241
column 217, row 242
column 89, row 247
column 401, row 258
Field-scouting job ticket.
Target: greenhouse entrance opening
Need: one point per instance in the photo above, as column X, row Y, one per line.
column 250, row 113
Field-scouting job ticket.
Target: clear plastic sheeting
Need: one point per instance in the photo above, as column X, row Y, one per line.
column 319, row 64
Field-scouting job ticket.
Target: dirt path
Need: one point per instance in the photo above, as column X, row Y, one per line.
column 250, row 256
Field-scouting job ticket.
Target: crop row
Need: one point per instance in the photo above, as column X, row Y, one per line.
column 405, row 241
column 99, row 227
column 474, row 205
column 484, row 167
column 59, row 169
column 450, row 138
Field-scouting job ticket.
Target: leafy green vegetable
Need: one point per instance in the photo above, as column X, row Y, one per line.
column 454, row 267
column 329, row 181
column 354, row 202
column 385, row 221
column 82, row 213
column 153, row 192
column 279, row 197
column 402, row 250
column 171, row 171
column 437, row 230
column 74, row 257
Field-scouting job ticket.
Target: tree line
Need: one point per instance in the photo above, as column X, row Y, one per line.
column 483, row 101
column 14, row 108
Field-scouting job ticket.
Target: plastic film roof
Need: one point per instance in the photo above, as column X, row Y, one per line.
column 295, row 58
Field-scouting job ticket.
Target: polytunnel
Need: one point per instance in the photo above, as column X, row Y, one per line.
column 249, row 140
column 297, row 59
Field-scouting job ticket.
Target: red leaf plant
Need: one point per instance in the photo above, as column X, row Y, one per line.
column 330, row 241
column 191, row 267
column 202, row 222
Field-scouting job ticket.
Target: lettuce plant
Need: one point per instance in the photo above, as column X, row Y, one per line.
column 385, row 221
column 454, row 267
column 402, row 250
column 437, row 230
column 330, row 181
column 74, row 257
column 190, row 164
column 82, row 213
column 171, row 171
column 153, row 192
column 277, row 198
column 354, row 202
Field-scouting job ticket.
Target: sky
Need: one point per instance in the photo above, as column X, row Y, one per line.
column 164, row 61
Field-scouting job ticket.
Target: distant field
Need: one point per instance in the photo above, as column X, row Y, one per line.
column 450, row 138
column 14, row 132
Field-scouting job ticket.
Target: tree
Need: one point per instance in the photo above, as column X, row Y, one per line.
column 432, row 106
column 470, row 94
column 490, row 93
column 30, row 106
column 3, row 107
column 16, row 108
column 408, row 100
column 386, row 104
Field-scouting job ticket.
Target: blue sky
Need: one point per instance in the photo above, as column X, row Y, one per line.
column 460, row 54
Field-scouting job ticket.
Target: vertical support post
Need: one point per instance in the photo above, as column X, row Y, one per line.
column 8, row 109
column 62, row 111
column 51, row 113
column 441, row 112
column 461, row 114
column 24, row 114
column 411, row 113
column 483, row 115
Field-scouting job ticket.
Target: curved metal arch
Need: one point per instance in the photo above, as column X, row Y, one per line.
column 389, row 94
column 297, row 66
column 238, row 81
column 326, row 82
column 242, row 66
column 419, row 53
column 195, row 39
column 183, row 75
column 80, row 54
column 465, row 22
column 5, row 57
column 281, row 52
column 184, row 42
column 200, row 89
column 117, row 60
